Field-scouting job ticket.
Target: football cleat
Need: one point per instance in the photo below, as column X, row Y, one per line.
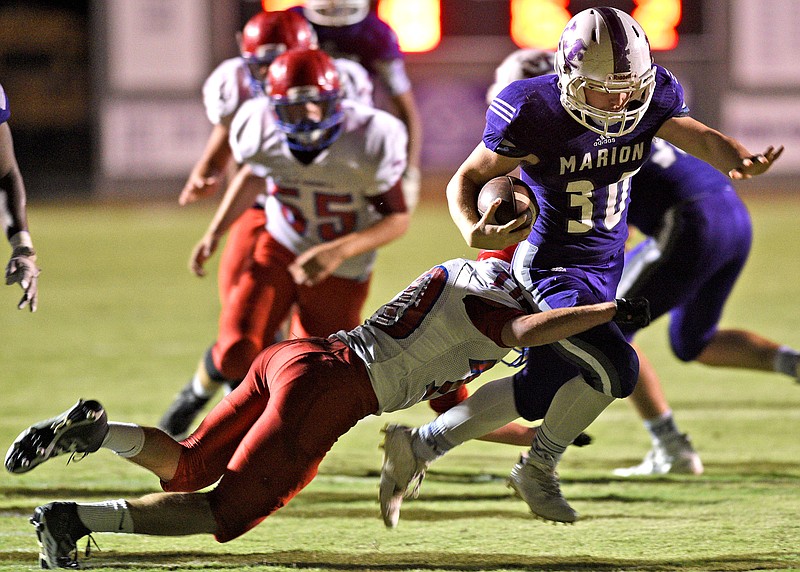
column 80, row 429
column 58, row 529
column 183, row 411
column 674, row 455
column 401, row 473
column 537, row 484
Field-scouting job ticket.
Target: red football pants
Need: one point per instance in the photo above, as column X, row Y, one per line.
column 262, row 298
column 239, row 246
column 267, row 438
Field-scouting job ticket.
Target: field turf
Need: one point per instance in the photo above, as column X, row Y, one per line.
column 122, row 320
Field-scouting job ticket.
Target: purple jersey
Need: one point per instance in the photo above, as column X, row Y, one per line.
column 5, row 113
column 699, row 237
column 582, row 180
column 669, row 177
column 369, row 41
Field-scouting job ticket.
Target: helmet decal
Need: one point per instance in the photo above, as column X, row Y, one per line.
column 573, row 48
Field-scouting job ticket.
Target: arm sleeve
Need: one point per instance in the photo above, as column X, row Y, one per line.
column 5, row 112
column 490, row 317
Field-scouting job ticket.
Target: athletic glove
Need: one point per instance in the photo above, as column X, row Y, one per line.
column 22, row 270
column 633, row 311
column 582, row 440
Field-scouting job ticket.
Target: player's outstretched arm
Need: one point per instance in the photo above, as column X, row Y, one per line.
column 21, row 268
column 723, row 152
column 206, row 175
column 239, row 196
column 560, row 323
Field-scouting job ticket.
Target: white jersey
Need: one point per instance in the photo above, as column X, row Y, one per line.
column 230, row 85
column 355, row 81
column 329, row 197
column 226, row 89
column 425, row 342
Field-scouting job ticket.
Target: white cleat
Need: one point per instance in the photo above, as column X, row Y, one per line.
column 674, row 455
column 401, row 474
column 538, row 485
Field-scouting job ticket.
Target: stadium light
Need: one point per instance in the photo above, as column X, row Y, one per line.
column 274, row 5
column 416, row 22
column 539, row 23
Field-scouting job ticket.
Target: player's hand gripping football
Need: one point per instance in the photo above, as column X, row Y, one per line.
column 22, row 270
column 757, row 164
column 489, row 236
column 633, row 311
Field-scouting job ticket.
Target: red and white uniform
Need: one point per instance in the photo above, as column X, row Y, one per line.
column 265, row 440
column 338, row 192
column 432, row 337
column 346, row 188
column 224, row 92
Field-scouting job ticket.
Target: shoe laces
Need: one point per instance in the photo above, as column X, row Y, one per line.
column 89, row 542
column 76, row 457
column 545, row 477
column 414, row 484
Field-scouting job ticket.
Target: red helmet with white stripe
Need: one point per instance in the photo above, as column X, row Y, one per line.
column 306, row 95
column 268, row 34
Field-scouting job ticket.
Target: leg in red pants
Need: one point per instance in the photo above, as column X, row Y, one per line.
column 239, row 247
column 267, row 438
column 262, row 299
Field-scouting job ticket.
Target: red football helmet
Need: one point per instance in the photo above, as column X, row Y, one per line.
column 268, row 34
column 306, row 95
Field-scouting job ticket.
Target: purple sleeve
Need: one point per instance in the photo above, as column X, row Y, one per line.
column 5, row 113
column 503, row 110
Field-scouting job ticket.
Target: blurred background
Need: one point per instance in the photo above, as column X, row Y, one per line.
column 105, row 94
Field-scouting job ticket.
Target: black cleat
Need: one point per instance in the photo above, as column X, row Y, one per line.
column 58, row 529
column 183, row 411
column 80, row 429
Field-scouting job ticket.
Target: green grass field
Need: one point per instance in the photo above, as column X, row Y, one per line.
column 122, row 320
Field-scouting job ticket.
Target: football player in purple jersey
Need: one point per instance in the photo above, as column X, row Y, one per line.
column 578, row 137
column 350, row 29
column 21, row 268
column 698, row 239
column 263, row 443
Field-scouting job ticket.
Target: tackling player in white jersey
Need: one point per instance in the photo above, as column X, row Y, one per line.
column 264, row 442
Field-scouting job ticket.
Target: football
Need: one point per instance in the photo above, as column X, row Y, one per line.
column 516, row 196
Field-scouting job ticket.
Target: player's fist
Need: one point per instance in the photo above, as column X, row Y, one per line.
column 633, row 311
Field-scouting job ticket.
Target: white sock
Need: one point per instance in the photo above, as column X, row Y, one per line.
column 201, row 390
column 108, row 516
column 489, row 408
column 125, row 439
column 575, row 406
column 786, row 361
column 662, row 427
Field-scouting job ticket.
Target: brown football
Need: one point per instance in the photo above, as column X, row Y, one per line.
column 516, row 196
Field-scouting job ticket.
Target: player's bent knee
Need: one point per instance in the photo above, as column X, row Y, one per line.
column 687, row 352
column 235, row 361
